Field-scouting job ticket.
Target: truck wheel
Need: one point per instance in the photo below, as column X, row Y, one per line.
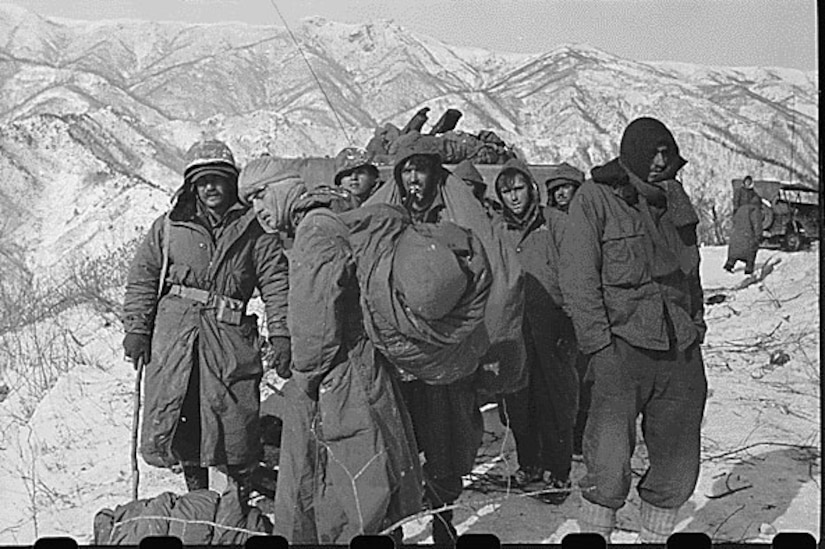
column 793, row 242
column 767, row 215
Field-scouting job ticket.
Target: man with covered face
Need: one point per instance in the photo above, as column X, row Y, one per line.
column 630, row 279
column 349, row 464
column 447, row 421
column 200, row 349
column 542, row 415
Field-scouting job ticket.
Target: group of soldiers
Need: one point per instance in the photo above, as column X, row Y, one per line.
column 401, row 306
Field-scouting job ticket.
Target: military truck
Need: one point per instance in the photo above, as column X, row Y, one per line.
column 790, row 213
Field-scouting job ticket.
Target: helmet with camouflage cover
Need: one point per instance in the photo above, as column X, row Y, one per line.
column 349, row 160
column 209, row 157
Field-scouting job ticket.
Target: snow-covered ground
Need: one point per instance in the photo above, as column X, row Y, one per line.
column 760, row 453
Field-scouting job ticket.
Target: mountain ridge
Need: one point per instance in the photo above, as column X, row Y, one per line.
column 120, row 101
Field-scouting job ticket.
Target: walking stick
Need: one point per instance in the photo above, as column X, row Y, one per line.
column 138, row 363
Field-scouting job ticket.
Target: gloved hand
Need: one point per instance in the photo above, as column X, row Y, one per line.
column 280, row 355
column 138, row 347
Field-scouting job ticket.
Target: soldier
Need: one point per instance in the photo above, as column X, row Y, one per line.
column 355, row 172
column 200, row 349
column 747, row 227
column 562, row 184
column 447, row 421
column 629, row 274
column 349, row 464
column 541, row 415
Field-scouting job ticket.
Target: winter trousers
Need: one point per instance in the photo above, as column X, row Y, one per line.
column 543, row 414
column 669, row 389
column 750, row 262
column 186, row 444
column 448, row 428
column 585, row 387
column 544, row 437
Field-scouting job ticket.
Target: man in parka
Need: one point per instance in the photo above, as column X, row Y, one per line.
column 562, row 184
column 630, row 279
column 747, row 227
column 541, row 415
column 447, row 420
column 199, row 348
column 355, row 172
column 348, row 463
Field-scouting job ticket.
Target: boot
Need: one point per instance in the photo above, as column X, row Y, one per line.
column 444, row 533
column 240, row 479
column 397, row 536
column 197, row 478
column 657, row 523
column 597, row 519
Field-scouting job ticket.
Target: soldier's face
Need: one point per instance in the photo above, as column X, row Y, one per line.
column 359, row 182
column 268, row 209
column 516, row 196
column 418, row 180
column 659, row 163
column 214, row 191
column 563, row 194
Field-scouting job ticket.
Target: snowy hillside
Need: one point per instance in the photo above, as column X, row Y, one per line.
column 761, row 434
column 95, row 116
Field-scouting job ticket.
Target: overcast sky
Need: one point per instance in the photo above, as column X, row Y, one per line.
column 780, row 33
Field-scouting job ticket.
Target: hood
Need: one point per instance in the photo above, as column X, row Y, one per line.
column 638, row 147
column 533, row 210
column 416, row 144
column 185, row 199
column 278, row 204
column 562, row 174
column 467, row 171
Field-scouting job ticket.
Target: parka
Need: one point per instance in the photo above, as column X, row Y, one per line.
column 612, row 282
column 545, row 319
column 186, row 334
column 455, row 202
column 349, row 463
column 746, row 233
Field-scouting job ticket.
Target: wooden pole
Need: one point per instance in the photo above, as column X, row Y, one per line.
column 138, row 363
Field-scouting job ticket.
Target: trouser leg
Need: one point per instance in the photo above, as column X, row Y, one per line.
column 518, row 415
column 622, row 379
column 186, row 444
column 196, row 477
column 556, row 397
column 584, row 403
column 448, row 428
column 671, row 427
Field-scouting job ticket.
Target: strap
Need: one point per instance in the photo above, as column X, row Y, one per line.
column 164, row 240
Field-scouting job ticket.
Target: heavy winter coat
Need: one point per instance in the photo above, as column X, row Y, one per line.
column 503, row 317
column 746, row 233
column 201, row 517
column 626, row 269
column 349, row 464
column 185, row 333
column 440, row 350
column 545, row 320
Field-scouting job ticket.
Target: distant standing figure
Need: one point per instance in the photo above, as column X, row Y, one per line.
column 747, row 227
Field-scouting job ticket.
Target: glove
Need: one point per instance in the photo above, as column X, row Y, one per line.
column 280, row 355
column 138, row 347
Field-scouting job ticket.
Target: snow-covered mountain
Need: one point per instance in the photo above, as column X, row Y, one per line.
column 95, row 116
